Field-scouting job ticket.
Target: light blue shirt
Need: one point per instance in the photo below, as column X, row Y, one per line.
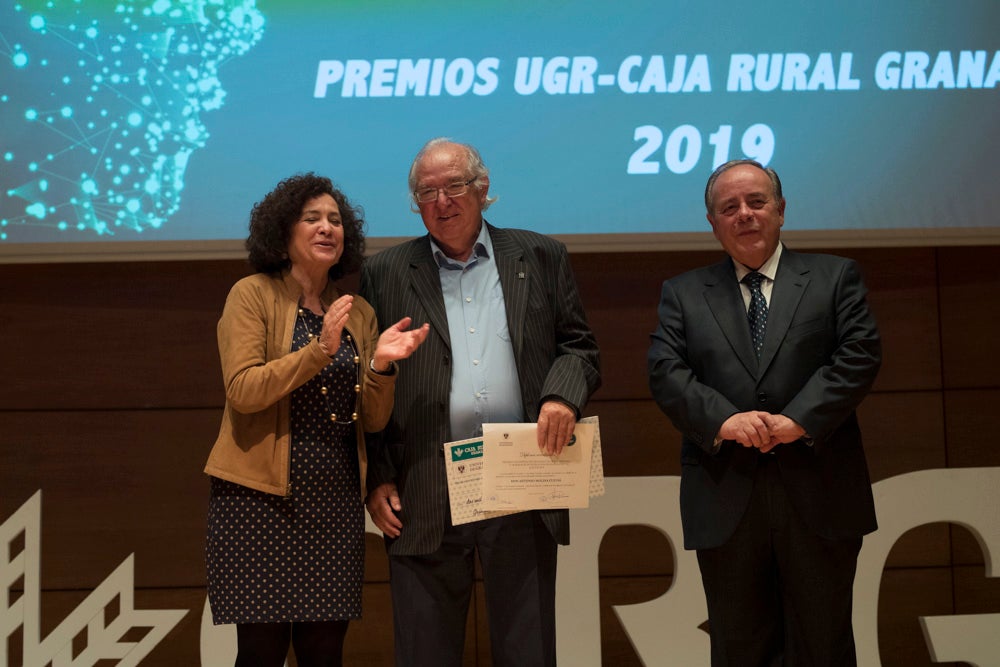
column 484, row 383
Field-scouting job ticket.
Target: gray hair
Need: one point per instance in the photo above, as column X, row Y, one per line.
column 476, row 167
column 771, row 174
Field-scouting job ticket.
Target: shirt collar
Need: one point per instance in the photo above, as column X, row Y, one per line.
column 482, row 248
column 768, row 269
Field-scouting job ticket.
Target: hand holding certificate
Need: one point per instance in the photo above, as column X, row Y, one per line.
column 464, row 463
column 517, row 476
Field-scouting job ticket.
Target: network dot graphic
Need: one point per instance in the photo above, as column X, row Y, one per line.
column 101, row 107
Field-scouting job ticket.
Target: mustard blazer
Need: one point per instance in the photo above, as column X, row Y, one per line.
column 259, row 372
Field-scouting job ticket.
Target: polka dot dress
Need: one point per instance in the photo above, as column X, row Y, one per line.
column 300, row 558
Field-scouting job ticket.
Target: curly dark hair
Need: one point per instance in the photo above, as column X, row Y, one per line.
column 272, row 218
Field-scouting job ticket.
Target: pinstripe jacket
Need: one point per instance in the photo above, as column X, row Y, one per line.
column 555, row 352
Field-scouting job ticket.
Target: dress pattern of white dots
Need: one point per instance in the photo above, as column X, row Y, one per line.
column 298, row 558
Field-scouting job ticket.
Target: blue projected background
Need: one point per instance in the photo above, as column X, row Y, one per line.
column 102, row 109
column 165, row 120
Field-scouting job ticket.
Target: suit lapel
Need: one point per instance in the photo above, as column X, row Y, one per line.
column 514, row 280
column 790, row 284
column 426, row 284
column 722, row 293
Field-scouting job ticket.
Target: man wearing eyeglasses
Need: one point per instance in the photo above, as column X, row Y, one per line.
column 509, row 342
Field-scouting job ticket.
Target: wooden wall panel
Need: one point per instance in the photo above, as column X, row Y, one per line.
column 902, row 293
column 376, row 559
column 971, row 414
column 905, row 595
column 636, row 439
column 972, row 418
column 903, row 432
column 636, row 551
column 113, row 483
column 111, row 397
column 369, row 641
column 118, row 335
column 179, row 647
column 970, row 316
column 116, row 483
column 975, row 593
column 620, row 293
column 616, row 648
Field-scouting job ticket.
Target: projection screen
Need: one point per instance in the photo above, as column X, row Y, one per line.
column 149, row 129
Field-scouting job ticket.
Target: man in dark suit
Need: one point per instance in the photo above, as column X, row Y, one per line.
column 760, row 362
column 509, row 342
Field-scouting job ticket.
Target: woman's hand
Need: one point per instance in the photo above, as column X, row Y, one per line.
column 397, row 343
column 333, row 324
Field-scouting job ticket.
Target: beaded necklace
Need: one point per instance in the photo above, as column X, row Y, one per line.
column 324, row 390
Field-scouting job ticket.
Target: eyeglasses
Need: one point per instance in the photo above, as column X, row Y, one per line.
column 456, row 189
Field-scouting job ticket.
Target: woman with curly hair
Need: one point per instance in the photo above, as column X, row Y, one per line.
column 306, row 375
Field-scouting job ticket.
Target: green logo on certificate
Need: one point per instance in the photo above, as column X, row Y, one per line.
column 469, row 450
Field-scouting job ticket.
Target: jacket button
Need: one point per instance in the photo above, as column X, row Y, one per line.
column 761, row 397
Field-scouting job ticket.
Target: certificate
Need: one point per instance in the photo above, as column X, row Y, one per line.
column 464, row 467
column 596, row 459
column 517, row 476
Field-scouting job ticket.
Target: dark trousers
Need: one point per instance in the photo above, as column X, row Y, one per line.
column 431, row 594
column 778, row 594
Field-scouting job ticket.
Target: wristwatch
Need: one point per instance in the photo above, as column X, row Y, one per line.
column 390, row 371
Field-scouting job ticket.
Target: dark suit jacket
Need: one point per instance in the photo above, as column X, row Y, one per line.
column 820, row 357
column 554, row 349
